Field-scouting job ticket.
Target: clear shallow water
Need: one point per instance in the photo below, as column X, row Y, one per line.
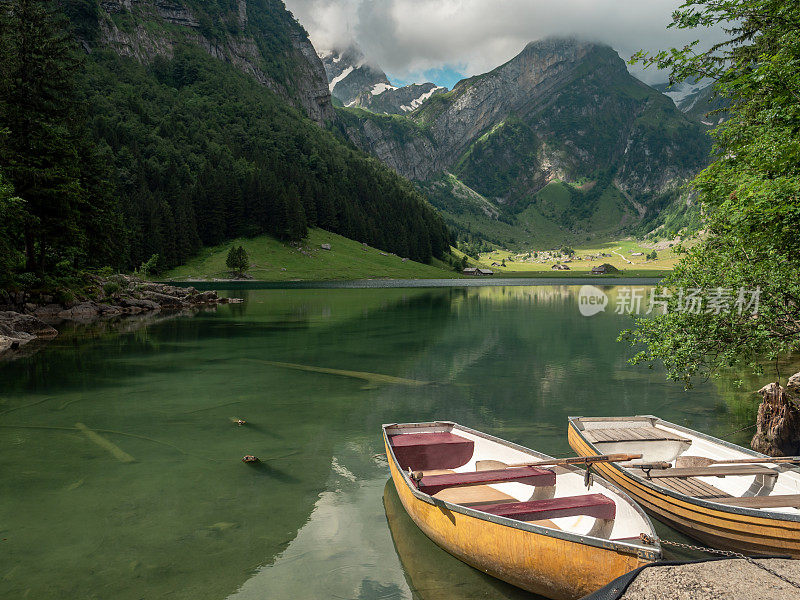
column 120, row 463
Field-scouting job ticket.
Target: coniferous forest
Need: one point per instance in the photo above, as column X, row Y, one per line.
column 107, row 161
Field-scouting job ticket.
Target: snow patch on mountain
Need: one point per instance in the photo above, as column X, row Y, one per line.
column 379, row 88
column 340, row 76
column 417, row 102
column 681, row 91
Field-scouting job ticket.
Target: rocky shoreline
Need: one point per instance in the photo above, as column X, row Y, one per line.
column 29, row 316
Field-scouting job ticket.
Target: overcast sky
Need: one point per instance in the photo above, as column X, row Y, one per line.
column 447, row 39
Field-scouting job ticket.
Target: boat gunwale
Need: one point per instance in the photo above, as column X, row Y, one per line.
column 646, row 551
column 762, row 513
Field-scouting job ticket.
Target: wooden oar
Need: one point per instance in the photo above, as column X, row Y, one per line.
column 703, row 461
column 490, row 465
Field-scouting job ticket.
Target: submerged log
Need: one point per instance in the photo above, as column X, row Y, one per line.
column 778, row 423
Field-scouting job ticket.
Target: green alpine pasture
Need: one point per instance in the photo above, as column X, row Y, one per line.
column 273, row 260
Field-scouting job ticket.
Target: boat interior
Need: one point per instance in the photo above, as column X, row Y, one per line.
column 692, row 466
column 460, row 467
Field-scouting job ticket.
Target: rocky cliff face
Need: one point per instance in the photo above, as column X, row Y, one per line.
column 582, row 110
column 262, row 40
column 400, row 145
column 560, row 110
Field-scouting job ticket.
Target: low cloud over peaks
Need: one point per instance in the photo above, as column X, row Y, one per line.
column 409, row 37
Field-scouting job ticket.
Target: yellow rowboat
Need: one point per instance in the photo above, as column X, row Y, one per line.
column 537, row 528
column 750, row 508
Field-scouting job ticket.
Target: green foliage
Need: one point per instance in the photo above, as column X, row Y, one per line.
column 65, row 297
column 12, row 216
column 750, row 194
column 69, row 218
column 668, row 215
column 237, row 260
column 610, row 268
column 202, row 153
column 177, row 153
column 151, row 266
column 111, row 287
column 496, row 164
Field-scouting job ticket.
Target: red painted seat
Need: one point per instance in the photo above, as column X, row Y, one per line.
column 430, row 484
column 440, row 450
column 593, row 505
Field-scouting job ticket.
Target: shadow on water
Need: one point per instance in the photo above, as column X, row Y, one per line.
column 264, row 468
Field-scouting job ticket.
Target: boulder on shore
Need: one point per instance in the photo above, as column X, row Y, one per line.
column 18, row 329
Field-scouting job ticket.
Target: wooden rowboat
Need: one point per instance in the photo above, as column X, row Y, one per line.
column 751, row 508
column 537, row 528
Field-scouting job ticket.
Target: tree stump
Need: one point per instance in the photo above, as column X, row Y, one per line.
column 778, row 424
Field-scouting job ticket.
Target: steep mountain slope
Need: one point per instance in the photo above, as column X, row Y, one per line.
column 207, row 117
column 357, row 83
column 258, row 37
column 560, row 110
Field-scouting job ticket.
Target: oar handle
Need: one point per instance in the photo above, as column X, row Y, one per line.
column 604, row 458
column 581, row 460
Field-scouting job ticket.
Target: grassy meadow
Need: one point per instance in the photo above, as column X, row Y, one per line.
column 273, row 260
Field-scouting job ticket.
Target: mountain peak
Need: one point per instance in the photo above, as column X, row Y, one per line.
column 350, row 74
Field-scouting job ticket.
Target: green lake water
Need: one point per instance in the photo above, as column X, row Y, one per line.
column 120, row 462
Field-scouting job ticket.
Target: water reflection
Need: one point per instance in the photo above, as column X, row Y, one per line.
column 432, row 573
column 188, row 519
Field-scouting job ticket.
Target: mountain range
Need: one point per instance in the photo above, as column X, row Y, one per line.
column 559, row 142
column 355, row 82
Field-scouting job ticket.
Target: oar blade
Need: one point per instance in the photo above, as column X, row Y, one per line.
column 490, row 465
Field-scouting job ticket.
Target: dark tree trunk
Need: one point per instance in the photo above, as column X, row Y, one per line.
column 778, row 432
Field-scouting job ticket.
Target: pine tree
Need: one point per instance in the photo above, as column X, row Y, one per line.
column 237, row 261
column 38, row 107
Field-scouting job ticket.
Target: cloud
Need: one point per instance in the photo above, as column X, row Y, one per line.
column 409, row 37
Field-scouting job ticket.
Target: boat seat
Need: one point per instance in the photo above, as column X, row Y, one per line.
column 431, row 484
column 438, row 450
column 632, row 434
column 593, row 505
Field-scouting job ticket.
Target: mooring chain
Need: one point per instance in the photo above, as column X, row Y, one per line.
column 730, row 433
column 730, row 553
